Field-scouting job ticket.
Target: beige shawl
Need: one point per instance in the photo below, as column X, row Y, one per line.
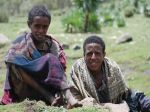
column 82, row 81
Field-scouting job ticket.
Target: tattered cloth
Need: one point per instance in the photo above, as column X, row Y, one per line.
column 83, row 82
column 25, row 55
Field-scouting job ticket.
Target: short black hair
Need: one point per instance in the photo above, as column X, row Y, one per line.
column 38, row 10
column 94, row 39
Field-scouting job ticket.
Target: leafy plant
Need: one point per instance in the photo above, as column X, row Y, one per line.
column 111, row 18
column 89, row 8
column 4, row 18
column 119, row 21
column 73, row 21
column 129, row 11
column 94, row 25
column 147, row 10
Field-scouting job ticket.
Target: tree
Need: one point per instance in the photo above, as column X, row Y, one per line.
column 89, row 8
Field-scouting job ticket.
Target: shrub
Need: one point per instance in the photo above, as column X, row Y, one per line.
column 119, row 21
column 3, row 17
column 111, row 18
column 106, row 18
column 94, row 25
column 147, row 10
column 129, row 11
column 73, row 21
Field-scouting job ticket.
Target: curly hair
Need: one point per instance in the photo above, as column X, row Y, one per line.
column 38, row 10
column 94, row 39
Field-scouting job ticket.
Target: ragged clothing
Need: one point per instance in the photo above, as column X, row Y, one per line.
column 46, row 66
column 113, row 83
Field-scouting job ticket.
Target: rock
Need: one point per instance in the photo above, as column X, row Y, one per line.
column 124, row 38
column 76, row 47
column 148, row 59
column 65, row 46
column 129, row 12
column 3, row 40
column 147, row 72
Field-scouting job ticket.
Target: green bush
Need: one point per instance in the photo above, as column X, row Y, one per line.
column 94, row 25
column 4, row 18
column 129, row 11
column 73, row 21
column 147, row 10
column 111, row 18
column 106, row 18
column 119, row 21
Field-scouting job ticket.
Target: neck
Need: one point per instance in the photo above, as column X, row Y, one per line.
column 97, row 78
column 96, row 73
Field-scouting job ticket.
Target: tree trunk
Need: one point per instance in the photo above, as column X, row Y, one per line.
column 86, row 21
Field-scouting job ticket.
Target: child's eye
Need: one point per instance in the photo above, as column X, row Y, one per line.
column 37, row 26
column 89, row 54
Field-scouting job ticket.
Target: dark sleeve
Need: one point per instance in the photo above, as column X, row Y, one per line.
column 144, row 103
column 137, row 101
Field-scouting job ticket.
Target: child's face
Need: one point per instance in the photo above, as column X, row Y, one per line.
column 39, row 27
column 94, row 56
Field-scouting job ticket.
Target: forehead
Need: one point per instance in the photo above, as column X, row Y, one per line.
column 41, row 19
column 93, row 46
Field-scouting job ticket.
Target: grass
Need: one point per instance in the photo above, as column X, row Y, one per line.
column 134, row 57
column 34, row 106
